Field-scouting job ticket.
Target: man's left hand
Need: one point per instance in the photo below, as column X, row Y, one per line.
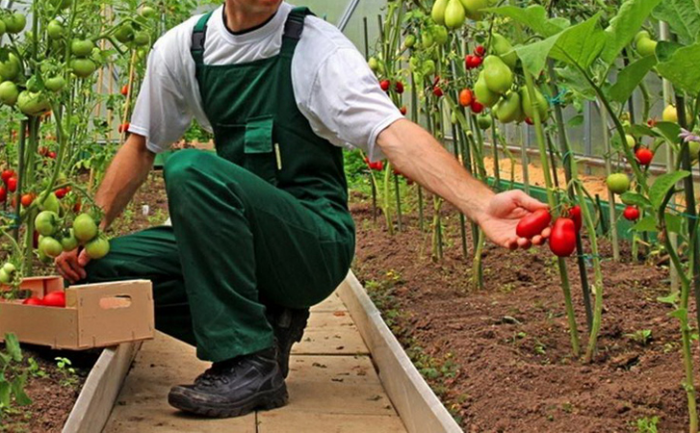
column 502, row 215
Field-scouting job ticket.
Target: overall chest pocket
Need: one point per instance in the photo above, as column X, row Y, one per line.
column 250, row 145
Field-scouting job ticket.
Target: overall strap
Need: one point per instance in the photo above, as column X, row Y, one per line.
column 293, row 29
column 199, row 35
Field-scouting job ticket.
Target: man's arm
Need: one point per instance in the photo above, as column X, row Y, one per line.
column 128, row 170
column 416, row 154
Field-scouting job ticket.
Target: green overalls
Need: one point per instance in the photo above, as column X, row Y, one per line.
column 265, row 218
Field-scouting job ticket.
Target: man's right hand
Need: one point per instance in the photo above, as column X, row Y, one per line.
column 71, row 265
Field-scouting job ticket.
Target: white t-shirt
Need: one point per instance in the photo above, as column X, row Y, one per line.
column 333, row 85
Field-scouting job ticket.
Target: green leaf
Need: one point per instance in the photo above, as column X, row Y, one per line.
column 576, row 82
column 634, row 199
column 534, row 17
column 674, row 223
column 5, row 393
column 642, row 130
column 575, row 121
column 672, row 299
column 669, row 130
column 665, row 49
column 629, row 78
column 646, row 224
column 581, row 44
column 21, row 397
column 681, row 69
column 534, row 56
column 663, row 185
column 682, row 16
column 625, row 25
column 12, row 346
column 680, row 314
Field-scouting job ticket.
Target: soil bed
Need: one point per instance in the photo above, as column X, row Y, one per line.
column 500, row 358
column 54, row 391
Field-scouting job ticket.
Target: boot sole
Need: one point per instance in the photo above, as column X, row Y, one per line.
column 188, row 401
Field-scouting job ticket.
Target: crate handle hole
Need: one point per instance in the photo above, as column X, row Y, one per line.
column 113, row 302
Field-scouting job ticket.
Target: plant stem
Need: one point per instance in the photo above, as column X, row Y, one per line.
column 573, row 331
column 611, row 196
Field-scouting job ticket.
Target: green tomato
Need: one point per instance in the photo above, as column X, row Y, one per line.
column 503, row 49
column 427, row 39
column 410, row 41
column 484, row 121
column 694, row 149
column 618, row 183
column 437, row 13
column 9, row 268
column 528, row 108
column 630, row 141
column 84, row 228
column 4, row 277
column 509, row 108
column 373, row 64
column 643, row 34
column 473, row 8
column 3, row 27
column 97, row 248
column 15, row 23
column 498, row 76
column 83, row 68
column 9, row 93
column 455, row 15
column 81, row 47
column 50, row 247
column 482, row 92
column 55, row 30
column 141, row 38
column 69, row 242
column 646, row 47
column 439, row 34
column 9, row 69
column 428, row 67
column 46, row 223
column 51, row 204
column 55, row 84
column 124, row 34
column 43, row 258
column 32, row 104
column 147, row 12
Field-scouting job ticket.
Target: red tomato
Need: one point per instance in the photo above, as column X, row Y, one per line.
column 3, row 194
column 52, row 155
column 575, row 214
column 12, row 184
column 562, row 241
column 403, row 110
column 76, row 206
column 465, row 97
column 55, row 299
column 33, row 301
column 631, row 213
column 476, row 106
column 529, row 121
column 7, row 174
column 125, row 90
column 532, row 225
column 480, row 51
column 437, row 91
column 124, row 127
column 385, row 84
column 473, row 62
column 399, row 87
column 644, row 156
column 61, row 192
column 27, row 199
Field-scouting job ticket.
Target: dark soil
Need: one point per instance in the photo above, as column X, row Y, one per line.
column 54, row 392
column 500, row 358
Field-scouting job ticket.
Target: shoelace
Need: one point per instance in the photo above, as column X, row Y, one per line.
column 217, row 374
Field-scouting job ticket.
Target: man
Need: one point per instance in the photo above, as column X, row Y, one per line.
column 265, row 223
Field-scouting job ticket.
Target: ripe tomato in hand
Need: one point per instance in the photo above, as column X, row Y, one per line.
column 33, row 301
column 532, row 225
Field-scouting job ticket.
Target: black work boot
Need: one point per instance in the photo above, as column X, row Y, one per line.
column 288, row 325
column 234, row 387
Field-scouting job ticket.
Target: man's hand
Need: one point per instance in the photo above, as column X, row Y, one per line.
column 502, row 215
column 71, row 265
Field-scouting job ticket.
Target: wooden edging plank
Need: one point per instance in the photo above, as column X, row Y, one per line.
column 97, row 398
column 419, row 408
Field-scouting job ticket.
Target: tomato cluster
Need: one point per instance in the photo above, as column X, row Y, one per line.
column 562, row 239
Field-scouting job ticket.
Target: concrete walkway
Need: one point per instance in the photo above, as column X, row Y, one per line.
column 333, row 386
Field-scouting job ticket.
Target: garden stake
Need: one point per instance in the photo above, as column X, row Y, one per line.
column 414, row 117
column 371, row 178
column 525, row 159
column 611, row 196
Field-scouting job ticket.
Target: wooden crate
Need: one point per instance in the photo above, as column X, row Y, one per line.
column 96, row 315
